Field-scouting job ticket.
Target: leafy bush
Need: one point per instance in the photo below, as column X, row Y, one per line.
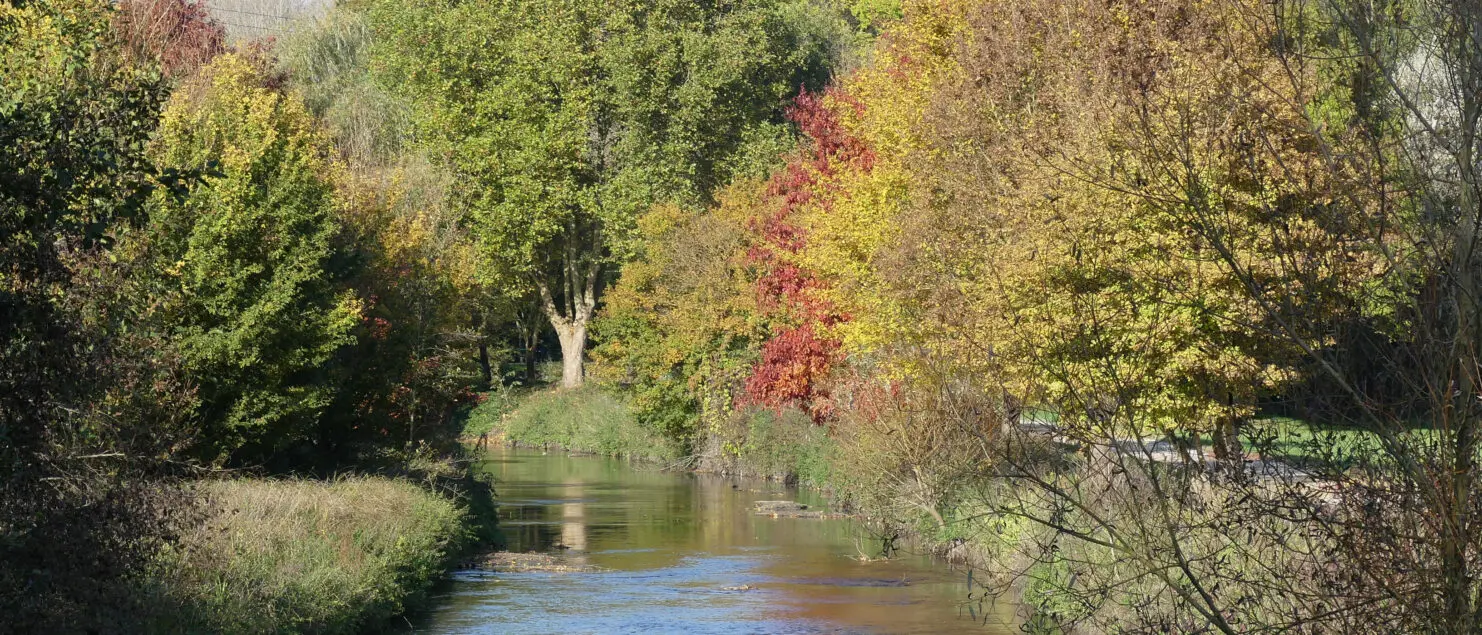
column 779, row 444
column 584, row 419
column 244, row 275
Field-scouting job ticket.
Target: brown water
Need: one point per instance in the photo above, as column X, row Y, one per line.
column 672, row 542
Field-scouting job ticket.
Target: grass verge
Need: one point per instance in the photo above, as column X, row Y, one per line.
column 298, row 556
column 584, row 419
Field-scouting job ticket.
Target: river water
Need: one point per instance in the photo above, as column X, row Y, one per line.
column 670, row 544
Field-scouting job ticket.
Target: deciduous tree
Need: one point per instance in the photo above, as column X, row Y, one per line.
column 565, row 121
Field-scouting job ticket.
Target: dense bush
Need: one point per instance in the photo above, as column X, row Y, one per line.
column 83, row 500
column 583, row 420
column 782, row 445
column 245, row 274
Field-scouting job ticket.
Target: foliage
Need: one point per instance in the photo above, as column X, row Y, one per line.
column 411, row 364
column 584, row 420
column 781, row 445
column 566, row 121
column 83, row 504
column 285, row 556
column 245, row 274
column 681, row 328
column 180, row 35
column 410, row 367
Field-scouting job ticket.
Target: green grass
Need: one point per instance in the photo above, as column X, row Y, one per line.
column 585, row 419
column 299, row 556
column 1301, row 441
column 494, row 407
column 785, row 446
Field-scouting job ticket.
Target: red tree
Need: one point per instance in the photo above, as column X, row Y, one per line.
column 800, row 355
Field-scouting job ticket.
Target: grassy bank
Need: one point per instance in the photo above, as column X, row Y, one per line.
column 779, row 445
column 280, row 556
column 582, row 420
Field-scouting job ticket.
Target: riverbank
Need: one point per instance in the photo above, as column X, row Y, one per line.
column 788, row 447
column 304, row 556
column 587, row 420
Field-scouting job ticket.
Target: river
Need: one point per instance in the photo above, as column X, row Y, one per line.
column 672, row 543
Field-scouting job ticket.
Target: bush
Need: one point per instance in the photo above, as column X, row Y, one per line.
column 583, row 419
column 282, row 556
column 783, row 445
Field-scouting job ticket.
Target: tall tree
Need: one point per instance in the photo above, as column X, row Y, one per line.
column 245, row 273
column 566, row 120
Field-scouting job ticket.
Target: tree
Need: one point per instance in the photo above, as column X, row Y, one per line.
column 566, row 120
column 82, row 503
column 412, row 360
column 245, row 274
column 681, row 330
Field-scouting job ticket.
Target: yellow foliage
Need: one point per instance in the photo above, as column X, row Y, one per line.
column 1090, row 205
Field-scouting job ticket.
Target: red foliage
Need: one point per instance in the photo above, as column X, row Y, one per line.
column 380, row 328
column 179, row 34
column 792, row 364
column 798, row 358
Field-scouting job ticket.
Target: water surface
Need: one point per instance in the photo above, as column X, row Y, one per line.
column 672, row 543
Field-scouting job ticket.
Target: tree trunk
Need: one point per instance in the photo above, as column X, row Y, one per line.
column 571, row 314
column 484, row 367
column 530, row 365
column 1227, row 448
column 573, row 338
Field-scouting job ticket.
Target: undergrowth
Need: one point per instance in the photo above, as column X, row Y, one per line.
column 299, row 556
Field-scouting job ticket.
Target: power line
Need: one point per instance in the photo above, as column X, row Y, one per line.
column 265, row 15
column 248, row 26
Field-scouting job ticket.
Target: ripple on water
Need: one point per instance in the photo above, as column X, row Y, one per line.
column 684, row 554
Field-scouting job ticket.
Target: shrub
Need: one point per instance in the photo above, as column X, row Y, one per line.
column 585, row 420
column 784, row 445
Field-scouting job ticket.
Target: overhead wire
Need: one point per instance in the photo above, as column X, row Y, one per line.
column 248, row 26
column 265, row 15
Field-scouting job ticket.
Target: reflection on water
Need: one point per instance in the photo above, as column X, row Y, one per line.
column 674, row 543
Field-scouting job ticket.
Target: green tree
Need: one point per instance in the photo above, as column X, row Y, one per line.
column 244, row 274
column 76, row 516
column 412, row 362
column 564, row 121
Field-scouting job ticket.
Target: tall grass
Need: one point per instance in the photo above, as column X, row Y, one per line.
column 292, row 556
column 583, row 419
column 780, row 445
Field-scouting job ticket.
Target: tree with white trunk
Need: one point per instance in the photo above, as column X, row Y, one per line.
column 564, row 120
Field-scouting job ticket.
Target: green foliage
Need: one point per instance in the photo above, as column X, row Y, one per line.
column 783, row 445
column 583, row 420
column 283, row 556
column 75, row 116
column 244, row 274
column 680, row 331
column 874, row 15
column 564, row 121
column 555, row 126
